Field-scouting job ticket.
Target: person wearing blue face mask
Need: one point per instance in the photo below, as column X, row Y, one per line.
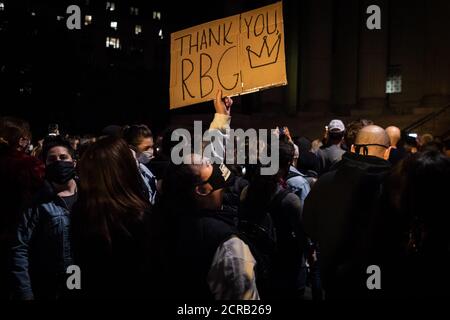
column 42, row 248
column 140, row 140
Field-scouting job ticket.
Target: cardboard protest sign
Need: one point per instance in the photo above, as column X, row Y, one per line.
column 238, row 54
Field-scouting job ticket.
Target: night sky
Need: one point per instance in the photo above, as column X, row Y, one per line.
column 49, row 74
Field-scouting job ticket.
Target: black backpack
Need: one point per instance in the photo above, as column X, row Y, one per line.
column 261, row 234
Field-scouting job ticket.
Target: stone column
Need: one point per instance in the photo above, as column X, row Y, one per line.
column 292, row 39
column 406, row 50
column 317, row 56
column 373, row 45
column 437, row 52
column 345, row 57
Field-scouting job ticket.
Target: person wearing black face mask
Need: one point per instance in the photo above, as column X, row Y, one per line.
column 42, row 248
column 197, row 230
column 60, row 172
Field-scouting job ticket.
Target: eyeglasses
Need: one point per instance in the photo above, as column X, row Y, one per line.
column 366, row 149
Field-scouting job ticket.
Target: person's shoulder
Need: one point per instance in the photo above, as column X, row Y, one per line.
column 222, row 223
column 241, row 182
column 298, row 179
column 217, row 225
column 235, row 247
column 145, row 170
column 28, row 160
column 295, row 172
column 334, row 148
column 290, row 201
column 328, row 151
column 43, row 193
column 324, row 180
column 33, row 166
column 290, row 197
column 342, row 149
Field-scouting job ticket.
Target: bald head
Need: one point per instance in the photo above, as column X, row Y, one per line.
column 370, row 135
column 394, row 134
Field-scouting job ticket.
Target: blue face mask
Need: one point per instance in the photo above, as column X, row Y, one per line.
column 146, row 156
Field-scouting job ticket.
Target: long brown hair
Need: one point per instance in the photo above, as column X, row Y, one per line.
column 110, row 193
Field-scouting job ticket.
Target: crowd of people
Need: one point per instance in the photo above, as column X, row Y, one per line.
column 140, row 226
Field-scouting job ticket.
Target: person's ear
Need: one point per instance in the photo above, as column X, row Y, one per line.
column 352, row 148
column 203, row 190
column 387, row 153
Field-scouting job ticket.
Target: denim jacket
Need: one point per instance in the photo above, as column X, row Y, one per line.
column 298, row 185
column 42, row 249
column 149, row 181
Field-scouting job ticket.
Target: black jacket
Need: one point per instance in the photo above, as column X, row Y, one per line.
column 120, row 270
column 341, row 213
column 195, row 238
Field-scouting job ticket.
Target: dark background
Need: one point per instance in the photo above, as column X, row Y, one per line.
column 335, row 66
column 49, row 74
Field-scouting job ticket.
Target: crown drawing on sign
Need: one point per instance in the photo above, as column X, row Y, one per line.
column 265, row 56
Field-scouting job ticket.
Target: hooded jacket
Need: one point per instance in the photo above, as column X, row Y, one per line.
column 341, row 213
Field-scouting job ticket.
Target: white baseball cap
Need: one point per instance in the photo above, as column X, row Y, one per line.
column 336, row 125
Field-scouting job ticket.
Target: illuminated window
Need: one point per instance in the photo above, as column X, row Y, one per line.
column 110, row 6
column 160, row 34
column 134, row 11
column 87, row 20
column 114, row 25
column 112, row 43
column 394, row 84
column 156, row 15
column 394, row 80
column 2, row 6
column 137, row 29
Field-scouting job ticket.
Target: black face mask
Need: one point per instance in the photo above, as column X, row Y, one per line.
column 60, row 171
column 220, row 177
